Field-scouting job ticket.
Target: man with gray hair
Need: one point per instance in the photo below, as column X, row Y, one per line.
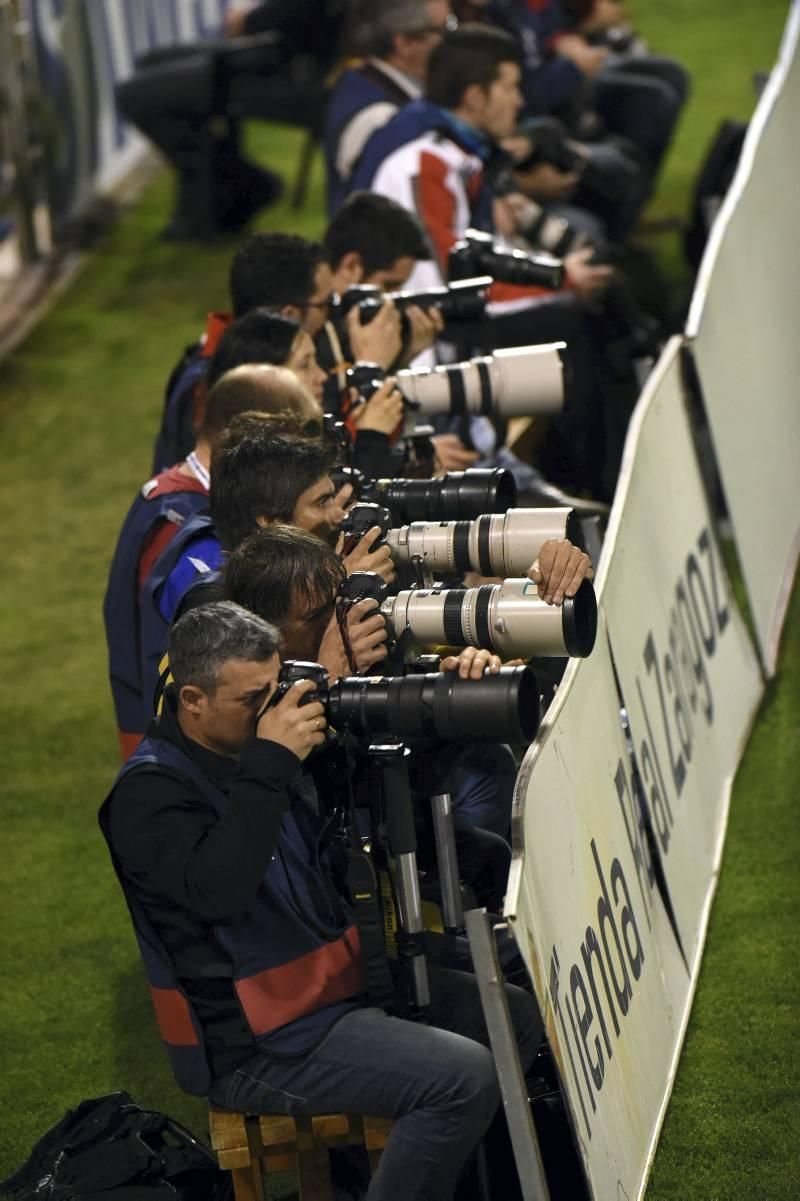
column 235, row 886
column 395, row 38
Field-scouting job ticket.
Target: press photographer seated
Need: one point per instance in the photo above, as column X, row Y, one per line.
column 264, row 337
column 259, row 478
column 287, row 275
column 247, row 933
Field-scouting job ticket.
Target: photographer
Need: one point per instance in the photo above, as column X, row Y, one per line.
column 287, row 275
column 260, row 475
column 433, row 158
column 292, row 580
column 164, row 504
column 395, row 39
column 248, row 936
column 261, row 336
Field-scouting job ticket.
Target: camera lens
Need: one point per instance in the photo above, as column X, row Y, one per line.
column 502, row 706
column 494, row 544
column 520, row 381
column 457, row 496
column 508, row 618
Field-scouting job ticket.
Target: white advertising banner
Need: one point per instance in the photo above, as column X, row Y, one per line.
column 743, row 326
column 594, row 932
column 689, row 677
column 618, row 837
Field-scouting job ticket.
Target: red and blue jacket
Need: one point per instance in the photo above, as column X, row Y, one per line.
column 294, row 968
column 163, row 506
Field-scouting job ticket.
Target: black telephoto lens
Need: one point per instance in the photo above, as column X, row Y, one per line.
column 456, row 496
column 500, row 707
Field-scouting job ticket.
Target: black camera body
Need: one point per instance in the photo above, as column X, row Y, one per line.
column 464, row 300
column 361, row 518
column 362, row 585
column 479, row 252
column 298, row 669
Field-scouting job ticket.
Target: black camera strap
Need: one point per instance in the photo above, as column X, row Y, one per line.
column 362, row 884
column 365, row 897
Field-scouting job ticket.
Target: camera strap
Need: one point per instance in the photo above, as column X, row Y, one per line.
column 362, row 884
column 342, row 609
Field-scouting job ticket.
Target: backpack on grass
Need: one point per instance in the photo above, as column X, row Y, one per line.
column 110, row 1149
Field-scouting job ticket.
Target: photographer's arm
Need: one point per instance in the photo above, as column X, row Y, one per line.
column 174, row 845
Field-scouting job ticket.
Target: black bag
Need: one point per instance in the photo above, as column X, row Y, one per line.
column 110, row 1149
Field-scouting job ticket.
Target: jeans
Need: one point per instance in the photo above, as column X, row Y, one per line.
column 437, row 1082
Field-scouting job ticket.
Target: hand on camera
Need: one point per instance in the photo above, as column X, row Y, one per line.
column 560, row 570
column 363, row 558
column 366, row 630
column 588, row 59
column 383, row 412
column 425, row 326
column 582, row 277
column 472, row 663
column 380, row 341
column 296, row 726
column 452, row 454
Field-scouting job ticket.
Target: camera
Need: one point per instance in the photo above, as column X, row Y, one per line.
column 479, row 253
column 501, row 706
column 493, row 545
column 362, row 585
column 361, row 518
column 464, row 300
column 456, row 496
column 296, row 669
column 507, row 618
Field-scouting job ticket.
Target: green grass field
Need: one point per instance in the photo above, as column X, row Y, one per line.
column 79, row 407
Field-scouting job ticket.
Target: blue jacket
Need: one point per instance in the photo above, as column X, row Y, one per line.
column 357, row 89
column 286, row 959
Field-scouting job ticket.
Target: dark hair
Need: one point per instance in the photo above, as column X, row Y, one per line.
column 272, row 270
column 378, row 229
column 208, row 636
column 269, row 569
column 258, row 337
column 471, row 54
column 259, row 474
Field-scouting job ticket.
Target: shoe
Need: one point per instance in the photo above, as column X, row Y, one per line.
column 542, row 495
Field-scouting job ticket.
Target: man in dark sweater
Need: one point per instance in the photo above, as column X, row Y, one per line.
column 250, row 945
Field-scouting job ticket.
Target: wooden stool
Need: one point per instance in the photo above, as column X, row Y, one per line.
column 250, row 1146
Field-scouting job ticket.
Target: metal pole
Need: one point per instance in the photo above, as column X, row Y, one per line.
column 402, row 839
column 506, row 1057
column 449, row 879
